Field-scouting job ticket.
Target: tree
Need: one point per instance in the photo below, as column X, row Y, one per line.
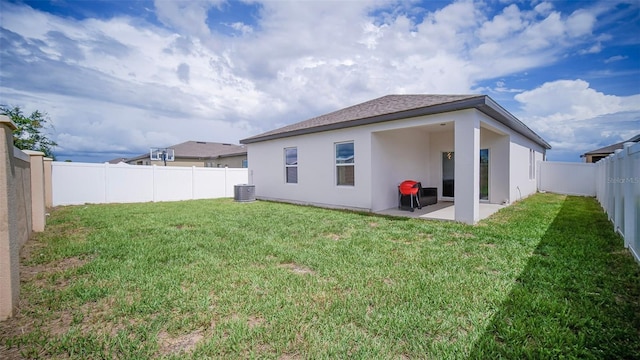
column 30, row 132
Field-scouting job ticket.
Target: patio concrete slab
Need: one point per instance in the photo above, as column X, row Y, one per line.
column 443, row 210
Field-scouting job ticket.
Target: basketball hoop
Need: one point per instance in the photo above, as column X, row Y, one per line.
column 162, row 154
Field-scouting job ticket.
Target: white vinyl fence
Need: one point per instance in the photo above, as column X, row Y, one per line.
column 567, row 178
column 81, row 183
column 618, row 191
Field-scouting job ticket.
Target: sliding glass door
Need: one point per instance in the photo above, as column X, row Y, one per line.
column 448, row 174
column 484, row 174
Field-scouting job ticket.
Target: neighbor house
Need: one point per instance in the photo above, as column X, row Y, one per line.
column 199, row 153
column 467, row 146
column 599, row 154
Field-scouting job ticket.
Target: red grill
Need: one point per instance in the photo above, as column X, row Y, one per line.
column 410, row 188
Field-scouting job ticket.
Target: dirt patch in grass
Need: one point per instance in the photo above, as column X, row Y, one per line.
column 181, row 344
column 30, row 273
column 298, row 269
column 463, row 235
column 334, row 237
column 403, row 242
column 57, row 323
column 289, row 356
column 254, row 321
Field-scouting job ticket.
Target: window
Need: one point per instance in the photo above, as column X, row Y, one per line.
column 345, row 160
column 245, row 163
column 291, row 165
column 532, row 164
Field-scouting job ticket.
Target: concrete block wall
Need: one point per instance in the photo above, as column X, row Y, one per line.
column 22, row 210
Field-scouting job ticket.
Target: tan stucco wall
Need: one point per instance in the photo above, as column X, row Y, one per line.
column 177, row 162
column 22, row 199
column 231, row 161
column 9, row 227
column 22, row 210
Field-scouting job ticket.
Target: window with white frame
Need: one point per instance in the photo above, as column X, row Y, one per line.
column 345, row 164
column 291, row 165
column 532, row 164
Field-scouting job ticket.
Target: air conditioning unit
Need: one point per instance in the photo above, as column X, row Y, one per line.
column 244, row 192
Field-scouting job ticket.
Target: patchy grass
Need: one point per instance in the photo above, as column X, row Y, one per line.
column 544, row 278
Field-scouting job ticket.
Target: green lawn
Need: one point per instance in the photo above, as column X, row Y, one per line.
column 544, row 278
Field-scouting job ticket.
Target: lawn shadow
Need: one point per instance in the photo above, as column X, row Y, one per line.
column 578, row 296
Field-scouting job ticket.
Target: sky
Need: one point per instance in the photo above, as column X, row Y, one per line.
column 118, row 77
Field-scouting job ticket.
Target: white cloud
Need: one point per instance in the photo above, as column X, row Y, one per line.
column 503, row 25
column 155, row 85
column 186, row 16
column 615, row 58
column 544, row 8
column 241, row 27
column 594, row 49
column 580, row 23
column 570, row 114
column 573, row 100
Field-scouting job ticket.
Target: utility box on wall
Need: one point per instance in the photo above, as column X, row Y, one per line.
column 244, row 192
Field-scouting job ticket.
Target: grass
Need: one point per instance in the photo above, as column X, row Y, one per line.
column 543, row 278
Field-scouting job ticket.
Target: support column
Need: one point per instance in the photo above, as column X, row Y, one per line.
column 48, row 182
column 467, row 169
column 38, row 208
column 9, row 238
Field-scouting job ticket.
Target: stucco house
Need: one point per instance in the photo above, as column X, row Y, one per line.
column 594, row 156
column 467, row 146
column 199, row 153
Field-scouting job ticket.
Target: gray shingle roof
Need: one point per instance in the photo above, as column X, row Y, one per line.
column 395, row 107
column 202, row 150
column 117, row 160
column 611, row 148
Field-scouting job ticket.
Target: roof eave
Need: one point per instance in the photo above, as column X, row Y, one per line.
column 242, row 153
column 497, row 112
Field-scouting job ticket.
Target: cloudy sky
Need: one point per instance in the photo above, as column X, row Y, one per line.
column 119, row 77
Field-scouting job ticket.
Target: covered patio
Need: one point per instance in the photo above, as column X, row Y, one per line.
column 445, row 153
column 443, row 210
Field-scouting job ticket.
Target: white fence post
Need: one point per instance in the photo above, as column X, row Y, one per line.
column 226, row 176
column 153, row 183
column 106, row 183
column 193, row 182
